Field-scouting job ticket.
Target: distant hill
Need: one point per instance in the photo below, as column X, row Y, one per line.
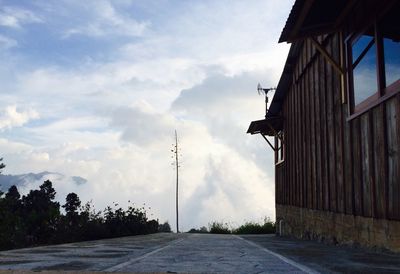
column 22, row 180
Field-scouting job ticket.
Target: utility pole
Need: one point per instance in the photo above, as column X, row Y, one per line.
column 175, row 150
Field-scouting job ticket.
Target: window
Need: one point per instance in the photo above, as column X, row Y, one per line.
column 392, row 60
column 279, row 147
column 364, row 68
column 374, row 58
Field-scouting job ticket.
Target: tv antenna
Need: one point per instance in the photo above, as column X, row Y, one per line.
column 176, row 163
column 264, row 91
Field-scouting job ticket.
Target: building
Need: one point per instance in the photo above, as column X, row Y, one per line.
column 335, row 117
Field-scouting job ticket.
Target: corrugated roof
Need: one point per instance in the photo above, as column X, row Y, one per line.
column 312, row 17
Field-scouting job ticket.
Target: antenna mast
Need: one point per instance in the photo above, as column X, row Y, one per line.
column 175, row 151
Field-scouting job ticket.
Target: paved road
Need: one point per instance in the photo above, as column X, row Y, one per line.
column 195, row 253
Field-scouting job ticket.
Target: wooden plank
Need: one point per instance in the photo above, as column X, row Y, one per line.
column 324, row 136
column 300, row 136
column 301, row 147
column 348, row 163
column 289, row 137
column 318, row 130
column 356, row 159
column 313, row 114
column 292, row 147
column 331, row 134
column 286, row 152
column 307, row 139
column 393, row 147
column 294, row 140
column 338, row 127
column 366, row 158
column 380, row 163
column 296, row 133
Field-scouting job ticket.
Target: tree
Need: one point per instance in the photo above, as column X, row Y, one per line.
column 11, row 226
column 13, row 194
column 165, row 227
column 1, row 167
column 1, row 164
column 41, row 213
column 72, row 203
column 48, row 190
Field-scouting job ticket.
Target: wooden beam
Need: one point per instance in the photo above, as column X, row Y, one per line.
column 327, row 55
column 342, row 65
column 269, row 143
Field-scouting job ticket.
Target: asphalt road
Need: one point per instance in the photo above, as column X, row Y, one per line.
column 182, row 253
column 200, row 253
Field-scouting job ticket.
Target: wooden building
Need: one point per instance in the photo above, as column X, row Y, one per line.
column 335, row 117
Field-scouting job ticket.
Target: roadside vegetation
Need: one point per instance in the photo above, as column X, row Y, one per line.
column 36, row 219
column 266, row 227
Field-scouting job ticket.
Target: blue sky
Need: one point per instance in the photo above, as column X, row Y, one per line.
column 96, row 88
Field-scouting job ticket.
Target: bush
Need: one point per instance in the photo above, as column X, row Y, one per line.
column 255, row 228
column 165, row 227
column 219, row 228
column 202, row 229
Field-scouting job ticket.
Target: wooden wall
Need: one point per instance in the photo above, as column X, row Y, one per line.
column 332, row 164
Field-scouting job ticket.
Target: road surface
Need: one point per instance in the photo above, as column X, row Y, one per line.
column 164, row 252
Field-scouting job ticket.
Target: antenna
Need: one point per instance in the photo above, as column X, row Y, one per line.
column 264, row 91
column 175, row 151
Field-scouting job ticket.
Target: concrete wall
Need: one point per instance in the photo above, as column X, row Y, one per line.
column 338, row 228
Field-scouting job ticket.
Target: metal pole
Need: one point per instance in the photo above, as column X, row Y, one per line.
column 177, row 180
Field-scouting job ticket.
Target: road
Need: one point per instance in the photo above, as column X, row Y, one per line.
column 164, row 252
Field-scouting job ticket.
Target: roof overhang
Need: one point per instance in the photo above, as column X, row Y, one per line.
column 314, row 17
column 268, row 126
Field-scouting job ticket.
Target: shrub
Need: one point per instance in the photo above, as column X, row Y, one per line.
column 255, row 228
column 202, row 229
column 219, row 228
column 165, row 227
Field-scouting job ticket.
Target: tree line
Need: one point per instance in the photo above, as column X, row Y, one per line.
column 36, row 219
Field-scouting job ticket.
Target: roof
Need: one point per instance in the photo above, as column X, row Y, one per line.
column 307, row 18
column 267, row 126
column 314, row 17
column 285, row 80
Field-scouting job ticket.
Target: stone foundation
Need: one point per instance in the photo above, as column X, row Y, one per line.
column 337, row 228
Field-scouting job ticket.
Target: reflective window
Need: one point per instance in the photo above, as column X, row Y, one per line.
column 280, row 148
column 392, row 60
column 389, row 28
column 364, row 68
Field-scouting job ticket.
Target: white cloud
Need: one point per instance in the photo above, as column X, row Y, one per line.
column 110, row 117
column 7, row 43
column 15, row 17
column 107, row 21
column 11, row 117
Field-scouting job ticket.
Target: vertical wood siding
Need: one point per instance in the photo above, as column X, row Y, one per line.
column 332, row 164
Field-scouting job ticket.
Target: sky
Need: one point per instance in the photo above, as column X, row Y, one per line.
column 96, row 89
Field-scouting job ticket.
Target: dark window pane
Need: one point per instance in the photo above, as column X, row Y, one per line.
column 389, row 28
column 364, row 72
column 392, row 60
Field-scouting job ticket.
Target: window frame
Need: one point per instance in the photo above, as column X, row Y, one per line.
column 280, row 147
column 383, row 92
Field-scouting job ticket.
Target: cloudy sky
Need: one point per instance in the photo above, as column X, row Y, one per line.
column 96, row 89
